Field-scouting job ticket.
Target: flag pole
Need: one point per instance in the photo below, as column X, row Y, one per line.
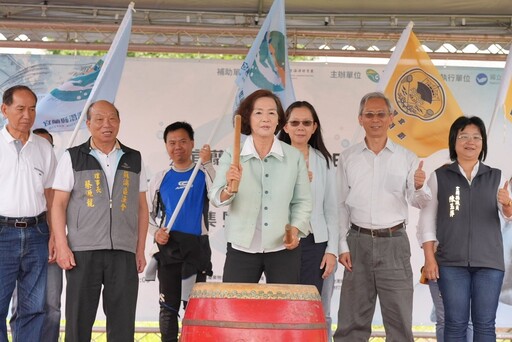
column 191, row 180
column 267, row 60
column 277, row 9
column 502, row 94
column 395, row 57
column 127, row 17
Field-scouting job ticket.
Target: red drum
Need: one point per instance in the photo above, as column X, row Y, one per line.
column 225, row 312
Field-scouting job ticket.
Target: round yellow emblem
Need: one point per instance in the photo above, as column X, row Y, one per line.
column 419, row 94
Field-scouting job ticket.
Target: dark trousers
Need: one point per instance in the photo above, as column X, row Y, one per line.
column 169, row 277
column 281, row 267
column 311, row 257
column 116, row 272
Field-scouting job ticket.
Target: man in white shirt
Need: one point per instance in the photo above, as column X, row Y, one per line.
column 376, row 180
column 100, row 196
column 27, row 166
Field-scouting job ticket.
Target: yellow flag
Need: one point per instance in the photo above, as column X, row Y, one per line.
column 424, row 106
column 508, row 101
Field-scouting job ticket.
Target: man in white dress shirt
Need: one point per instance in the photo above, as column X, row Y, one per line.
column 377, row 179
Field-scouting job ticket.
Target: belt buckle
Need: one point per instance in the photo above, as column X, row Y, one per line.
column 20, row 224
column 373, row 233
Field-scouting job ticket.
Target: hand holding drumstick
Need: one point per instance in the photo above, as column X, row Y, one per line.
column 291, row 237
column 234, row 174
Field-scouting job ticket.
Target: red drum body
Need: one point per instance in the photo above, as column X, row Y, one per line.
column 225, row 312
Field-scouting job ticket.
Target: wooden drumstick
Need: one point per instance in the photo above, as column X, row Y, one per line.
column 236, row 150
column 288, row 234
column 423, row 277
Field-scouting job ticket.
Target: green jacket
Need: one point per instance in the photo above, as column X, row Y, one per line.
column 278, row 186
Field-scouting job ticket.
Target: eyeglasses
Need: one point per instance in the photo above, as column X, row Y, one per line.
column 467, row 137
column 372, row 115
column 305, row 123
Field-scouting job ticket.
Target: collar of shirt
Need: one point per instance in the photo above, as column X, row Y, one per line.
column 117, row 146
column 390, row 145
column 174, row 168
column 473, row 172
column 108, row 162
column 9, row 138
column 249, row 151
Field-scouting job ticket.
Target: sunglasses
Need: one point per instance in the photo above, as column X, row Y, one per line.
column 305, row 123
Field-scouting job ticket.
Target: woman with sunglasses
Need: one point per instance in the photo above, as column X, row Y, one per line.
column 319, row 249
column 462, row 220
column 273, row 192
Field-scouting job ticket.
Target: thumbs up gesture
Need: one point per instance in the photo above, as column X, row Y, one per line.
column 419, row 176
column 504, row 196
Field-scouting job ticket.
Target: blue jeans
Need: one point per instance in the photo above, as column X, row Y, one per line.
column 23, row 259
column 51, row 325
column 438, row 313
column 470, row 289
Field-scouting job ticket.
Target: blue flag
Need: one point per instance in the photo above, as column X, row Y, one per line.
column 61, row 109
column 266, row 65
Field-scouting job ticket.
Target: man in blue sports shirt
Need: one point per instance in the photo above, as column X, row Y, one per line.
column 185, row 250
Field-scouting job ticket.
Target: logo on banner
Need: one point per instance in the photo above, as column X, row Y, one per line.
column 419, row 94
column 268, row 69
column 481, row 79
column 373, row 75
column 79, row 87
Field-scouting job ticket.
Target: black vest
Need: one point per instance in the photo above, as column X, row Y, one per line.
column 468, row 225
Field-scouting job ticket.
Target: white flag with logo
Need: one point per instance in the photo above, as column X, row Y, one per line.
column 266, row 65
column 61, row 109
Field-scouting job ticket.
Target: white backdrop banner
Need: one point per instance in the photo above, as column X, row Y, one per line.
column 156, row 92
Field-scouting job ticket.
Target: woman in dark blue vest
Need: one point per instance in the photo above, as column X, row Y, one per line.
column 462, row 220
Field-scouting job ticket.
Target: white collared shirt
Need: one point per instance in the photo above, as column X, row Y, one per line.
column 25, row 175
column 108, row 162
column 374, row 190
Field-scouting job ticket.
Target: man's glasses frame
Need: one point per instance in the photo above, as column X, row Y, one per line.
column 372, row 115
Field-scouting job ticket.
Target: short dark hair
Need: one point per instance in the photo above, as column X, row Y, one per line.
column 43, row 131
column 374, row 95
column 7, row 98
column 179, row 125
column 247, row 105
column 316, row 141
column 459, row 124
column 92, row 105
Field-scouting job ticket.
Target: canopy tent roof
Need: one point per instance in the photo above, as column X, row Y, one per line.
column 320, row 27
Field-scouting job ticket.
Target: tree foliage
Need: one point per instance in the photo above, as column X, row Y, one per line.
column 171, row 55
